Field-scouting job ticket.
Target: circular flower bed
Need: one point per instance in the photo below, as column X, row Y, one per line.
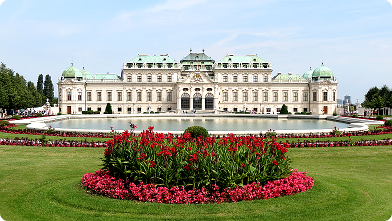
column 102, row 183
column 156, row 167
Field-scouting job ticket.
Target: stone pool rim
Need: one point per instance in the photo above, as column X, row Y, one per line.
column 355, row 124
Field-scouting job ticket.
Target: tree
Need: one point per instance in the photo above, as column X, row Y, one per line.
column 40, row 83
column 48, row 88
column 284, row 110
column 108, row 109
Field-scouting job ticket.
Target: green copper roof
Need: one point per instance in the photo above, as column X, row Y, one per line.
column 153, row 59
column 322, row 72
column 242, row 59
column 286, row 77
column 308, row 74
column 86, row 74
column 197, row 57
column 106, row 76
column 72, row 72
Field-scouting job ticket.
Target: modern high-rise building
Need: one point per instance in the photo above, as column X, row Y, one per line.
column 347, row 99
column 198, row 83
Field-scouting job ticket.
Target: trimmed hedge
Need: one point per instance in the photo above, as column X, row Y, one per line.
column 196, row 131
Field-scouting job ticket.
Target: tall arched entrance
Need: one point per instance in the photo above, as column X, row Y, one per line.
column 185, row 101
column 197, row 101
column 209, row 101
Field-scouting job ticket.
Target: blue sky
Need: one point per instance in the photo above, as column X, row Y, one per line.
column 352, row 37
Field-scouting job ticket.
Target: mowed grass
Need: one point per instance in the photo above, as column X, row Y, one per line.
column 40, row 183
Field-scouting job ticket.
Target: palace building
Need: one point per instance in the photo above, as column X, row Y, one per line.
column 197, row 83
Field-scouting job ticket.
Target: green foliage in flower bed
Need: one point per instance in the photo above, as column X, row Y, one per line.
column 164, row 161
column 196, row 131
column 388, row 123
column 17, row 117
column 379, row 117
column 4, row 123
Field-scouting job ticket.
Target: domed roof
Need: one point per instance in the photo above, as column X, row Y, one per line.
column 86, row 74
column 72, row 72
column 308, row 74
column 322, row 72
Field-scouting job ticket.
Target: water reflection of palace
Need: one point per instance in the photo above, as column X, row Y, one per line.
column 197, row 83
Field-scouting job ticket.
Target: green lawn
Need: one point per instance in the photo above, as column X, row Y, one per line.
column 351, row 183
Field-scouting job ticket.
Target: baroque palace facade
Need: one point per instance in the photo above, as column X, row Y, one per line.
column 197, row 83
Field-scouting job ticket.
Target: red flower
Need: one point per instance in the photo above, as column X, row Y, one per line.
column 187, row 167
column 274, row 162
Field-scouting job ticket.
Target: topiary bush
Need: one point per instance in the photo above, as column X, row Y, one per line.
column 38, row 115
column 4, row 123
column 284, row 109
column 388, row 123
column 379, row 117
column 108, row 109
column 59, row 113
column 196, row 131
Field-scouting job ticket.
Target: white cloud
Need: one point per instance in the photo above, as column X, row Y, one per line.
column 1, row 1
column 390, row 1
column 175, row 5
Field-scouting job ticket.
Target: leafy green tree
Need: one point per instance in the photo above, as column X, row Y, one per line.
column 284, row 109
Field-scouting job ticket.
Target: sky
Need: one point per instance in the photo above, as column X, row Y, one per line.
column 353, row 37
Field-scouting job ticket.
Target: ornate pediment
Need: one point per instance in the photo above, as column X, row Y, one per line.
column 197, row 77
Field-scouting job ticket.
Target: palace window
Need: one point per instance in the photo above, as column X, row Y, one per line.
column 255, row 96
column 225, row 96
column 169, row 78
column 119, row 96
column 334, row 96
column 325, row 96
column 139, row 96
column 285, row 96
column 265, row 95
column 88, row 96
column 245, row 78
column 99, row 109
column 245, row 96
column 149, row 78
column 306, row 96
column 255, row 78
column 109, row 96
column 129, row 96
column 225, row 78
column 59, row 95
column 139, row 78
column 99, row 96
column 265, row 78
column 159, row 78
column 119, row 109
column 235, row 96
column 275, row 96
column 129, row 78
column 169, row 96
column 314, row 96
column 69, row 95
column 159, row 96
column 149, row 96
column 235, row 78
column 295, row 96
column 79, row 96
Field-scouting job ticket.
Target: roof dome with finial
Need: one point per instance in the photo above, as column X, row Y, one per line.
column 72, row 72
column 86, row 74
column 308, row 74
column 322, row 72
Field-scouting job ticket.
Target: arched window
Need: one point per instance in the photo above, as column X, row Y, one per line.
column 185, row 101
column 209, row 101
column 197, row 101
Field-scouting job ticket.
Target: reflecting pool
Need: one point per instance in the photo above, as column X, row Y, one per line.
column 210, row 123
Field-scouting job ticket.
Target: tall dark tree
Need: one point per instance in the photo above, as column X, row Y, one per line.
column 40, row 83
column 48, row 88
column 36, row 98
